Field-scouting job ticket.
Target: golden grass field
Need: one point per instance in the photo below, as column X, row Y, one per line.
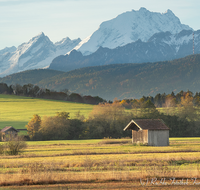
column 101, row 164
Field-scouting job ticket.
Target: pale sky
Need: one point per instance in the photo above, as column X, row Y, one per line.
column 20, row 20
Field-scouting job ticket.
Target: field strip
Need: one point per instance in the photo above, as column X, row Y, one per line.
column 114, row 157
column 96, row 154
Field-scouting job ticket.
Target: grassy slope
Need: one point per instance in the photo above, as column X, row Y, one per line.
column 17, row 111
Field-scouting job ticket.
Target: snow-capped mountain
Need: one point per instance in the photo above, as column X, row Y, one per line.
column 8, row 50
column 37, row 53
column 66, row 45
column 133, row 27
column 129, row 27
column 161, row 46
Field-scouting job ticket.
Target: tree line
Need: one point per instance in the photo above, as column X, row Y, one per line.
column 35, row 91
column 107, row 120
column 159, row 100
column 163, row 100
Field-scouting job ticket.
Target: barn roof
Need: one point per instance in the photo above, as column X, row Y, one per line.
column 8, row 128
column 146, row 124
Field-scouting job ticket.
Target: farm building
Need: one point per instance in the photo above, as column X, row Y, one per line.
column 152, row 132
column 8, row 132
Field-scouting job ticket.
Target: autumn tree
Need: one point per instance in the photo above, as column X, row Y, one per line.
column 107, row 120
column 127, row 103
column 187, row 109
column 197, row 99
column 79, row 116
column 33, row 126
column 142, row 101
column 56, row 127
column 170, row 101
column 62, row 115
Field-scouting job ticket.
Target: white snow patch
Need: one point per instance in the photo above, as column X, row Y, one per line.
column 34, row 50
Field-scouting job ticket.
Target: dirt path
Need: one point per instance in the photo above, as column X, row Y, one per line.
column 102, row 185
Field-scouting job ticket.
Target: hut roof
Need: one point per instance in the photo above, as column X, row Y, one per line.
column 143, row 124
column 8, row 128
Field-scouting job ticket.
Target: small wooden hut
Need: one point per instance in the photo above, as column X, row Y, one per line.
column 8, row 133
column 152, row 132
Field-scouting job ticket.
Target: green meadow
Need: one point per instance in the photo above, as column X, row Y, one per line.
column 16, row 111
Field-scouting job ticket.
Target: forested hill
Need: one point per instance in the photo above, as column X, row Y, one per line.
column 30, row 76
column 124, row 80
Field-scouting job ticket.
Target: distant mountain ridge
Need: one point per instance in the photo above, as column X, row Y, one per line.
column 119, row 80
column 8, row 50
column 161, row 46
column 37, row 53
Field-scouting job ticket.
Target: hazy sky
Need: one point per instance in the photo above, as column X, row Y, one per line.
column 20, row 20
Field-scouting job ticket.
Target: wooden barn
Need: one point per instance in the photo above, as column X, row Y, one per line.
column 152, row 132
column 8, row 132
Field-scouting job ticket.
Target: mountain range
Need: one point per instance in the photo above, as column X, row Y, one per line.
column 137, row 53
column 123, row 81
column 133, row 29
column 161, row 46
column 129, row 27
column 37, row 53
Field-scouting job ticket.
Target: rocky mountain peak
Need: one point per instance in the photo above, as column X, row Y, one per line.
column 130, row 26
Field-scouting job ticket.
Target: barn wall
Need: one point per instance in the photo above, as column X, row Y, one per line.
column 8, row 135
column 140, row 136
column 158, row 137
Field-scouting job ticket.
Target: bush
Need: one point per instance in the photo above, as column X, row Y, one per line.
column 15, row 146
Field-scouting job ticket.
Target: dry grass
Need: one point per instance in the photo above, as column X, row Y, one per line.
column 116, row 141
column 100, row 162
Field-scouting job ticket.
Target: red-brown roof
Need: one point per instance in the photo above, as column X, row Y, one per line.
column 146, row 124
column 8, row 128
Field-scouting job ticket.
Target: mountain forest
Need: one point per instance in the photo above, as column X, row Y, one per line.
column 121, row 81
